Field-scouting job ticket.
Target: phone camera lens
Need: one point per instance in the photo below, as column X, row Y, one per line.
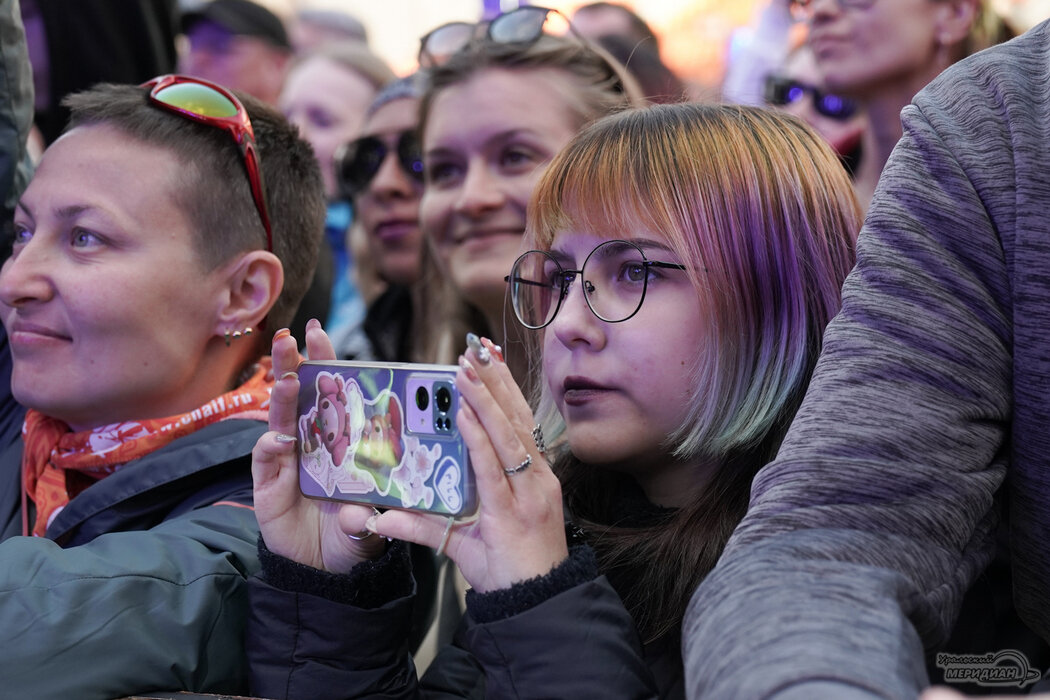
column 422, row 398
column 443, row 399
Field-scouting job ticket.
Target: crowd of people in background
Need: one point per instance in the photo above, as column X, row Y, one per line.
column 753, row 386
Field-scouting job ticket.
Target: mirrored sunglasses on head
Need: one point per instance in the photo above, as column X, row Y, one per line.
column 782, row 91
column 357, row 162
column 207, row 103
column 524, row 25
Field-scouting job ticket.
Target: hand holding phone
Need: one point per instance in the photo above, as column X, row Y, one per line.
column 308, row 531
column 385, row 435
column 520, row 531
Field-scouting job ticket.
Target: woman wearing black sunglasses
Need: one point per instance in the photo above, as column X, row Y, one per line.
column 382, row 173
column 797, row 88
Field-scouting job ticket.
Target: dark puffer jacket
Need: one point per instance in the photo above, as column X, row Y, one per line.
column 140, row 583
column 564, row 635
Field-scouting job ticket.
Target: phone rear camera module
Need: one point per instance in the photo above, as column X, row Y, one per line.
column 422, row 398
column 443, row 399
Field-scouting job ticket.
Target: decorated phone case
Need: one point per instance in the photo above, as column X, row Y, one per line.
column 383, row 434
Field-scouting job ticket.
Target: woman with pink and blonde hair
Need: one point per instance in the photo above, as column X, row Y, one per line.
column 684, row 260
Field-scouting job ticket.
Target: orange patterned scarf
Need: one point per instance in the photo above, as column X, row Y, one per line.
column 58, row 464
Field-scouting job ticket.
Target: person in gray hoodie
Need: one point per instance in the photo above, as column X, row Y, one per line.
column 926, row 419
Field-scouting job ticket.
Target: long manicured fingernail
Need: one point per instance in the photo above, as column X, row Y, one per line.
column 371, row 523
column 313, row 323
column 291, row 374
column 480, row 351
column 283, row 333
column 468, row 370
column 496, row 350
column 284, row 439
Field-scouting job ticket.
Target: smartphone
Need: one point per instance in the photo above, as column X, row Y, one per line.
column 383, row 434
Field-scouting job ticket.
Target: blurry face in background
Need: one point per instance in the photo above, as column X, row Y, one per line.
column 388, row 208
column 244, row 63
column 328, row 103
column 843, row 135
column 597, row 22
column 860, row 50
column 487, row 141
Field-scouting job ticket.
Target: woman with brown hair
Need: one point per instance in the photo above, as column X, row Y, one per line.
column 493, row 115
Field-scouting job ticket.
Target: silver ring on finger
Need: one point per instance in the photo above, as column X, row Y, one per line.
column 366, row 533
column 444, row 536
column 525, row 464
column 537, row 437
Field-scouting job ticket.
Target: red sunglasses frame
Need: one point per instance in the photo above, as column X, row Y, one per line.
column 239, row 126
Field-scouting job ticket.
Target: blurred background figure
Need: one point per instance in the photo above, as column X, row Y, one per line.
column 238, row 44
column 73, row 45
column 755, row 51
column 658, row 83
column 326, row 94
column 16, row 119
column 882, row 53
column 631, row 41
column 597, row 19
column 383, row 173
column 16, row 167
column 797, row 88
column 312, row 28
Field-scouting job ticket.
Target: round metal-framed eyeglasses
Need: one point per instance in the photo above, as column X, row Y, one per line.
column 614, row 276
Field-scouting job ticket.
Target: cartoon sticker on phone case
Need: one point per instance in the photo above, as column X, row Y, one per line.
column 447, row 483
column 411, row 477
column 355, row 445
column 328, row 432
column 336, row 420
column 381, row 448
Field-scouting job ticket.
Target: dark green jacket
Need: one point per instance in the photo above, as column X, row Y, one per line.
column 141, row 582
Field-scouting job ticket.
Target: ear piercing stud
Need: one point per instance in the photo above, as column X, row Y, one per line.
column 229, row 337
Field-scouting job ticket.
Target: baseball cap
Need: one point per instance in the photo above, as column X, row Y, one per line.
column 240, row 17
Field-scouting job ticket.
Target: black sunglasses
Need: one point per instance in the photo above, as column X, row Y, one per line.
column 521, row 26
column 357, row 162
column 782, row 91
